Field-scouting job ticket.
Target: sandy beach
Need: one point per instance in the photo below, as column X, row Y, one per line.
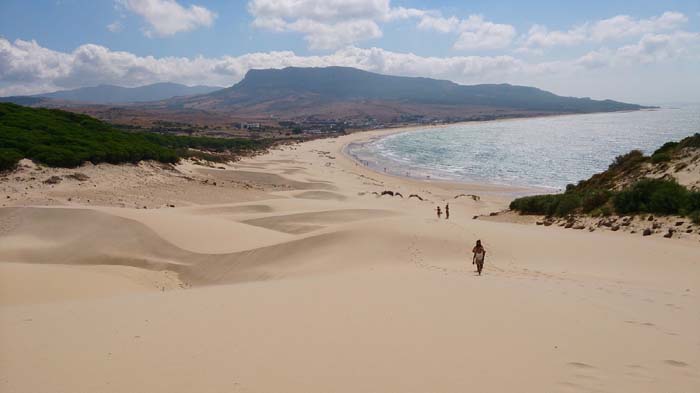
column 288, row 272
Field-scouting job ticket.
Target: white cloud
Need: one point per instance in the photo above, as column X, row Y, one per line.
column 439, row 24
column 615, row 28
column 26, row 67
column 328, row 24
column 332, row 24
column 475, row 33
column 168, row 17
column 653, row 48
column 540, row 37
column 115, row 26
column 622, row 26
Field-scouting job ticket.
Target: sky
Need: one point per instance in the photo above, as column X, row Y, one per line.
column 645, row 52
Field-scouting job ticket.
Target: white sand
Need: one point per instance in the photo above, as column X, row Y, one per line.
column 291, row 276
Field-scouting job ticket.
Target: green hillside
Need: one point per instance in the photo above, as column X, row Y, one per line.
column 65, row 139
column 624, row 189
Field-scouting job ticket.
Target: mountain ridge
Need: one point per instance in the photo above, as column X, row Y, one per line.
column 297, row 89
column 113, row 94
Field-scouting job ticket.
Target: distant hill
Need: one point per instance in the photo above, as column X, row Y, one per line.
column 334, row 90
column 110, row 94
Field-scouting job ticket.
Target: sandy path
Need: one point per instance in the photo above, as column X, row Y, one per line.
column 297, row 278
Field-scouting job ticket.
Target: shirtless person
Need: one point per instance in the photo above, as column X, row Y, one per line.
column 479, row 255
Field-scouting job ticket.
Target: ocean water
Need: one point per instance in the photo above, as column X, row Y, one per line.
column 546, row 152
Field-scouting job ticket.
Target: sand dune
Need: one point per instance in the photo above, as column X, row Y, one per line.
column 290, row 275
column 321, row 195
column 308, row 222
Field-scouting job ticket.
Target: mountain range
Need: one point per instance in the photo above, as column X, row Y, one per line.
column 110, row 94
column 331, row 91
column 295, row 93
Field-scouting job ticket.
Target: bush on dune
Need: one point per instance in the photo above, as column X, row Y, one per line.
column 594, row 199
column 9, row 159
column 653, row 196
column 536, row 204
column 695, row 217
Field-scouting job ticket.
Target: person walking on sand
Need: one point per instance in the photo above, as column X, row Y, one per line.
column 439, row 212
column 479, row 255
column 447, row 211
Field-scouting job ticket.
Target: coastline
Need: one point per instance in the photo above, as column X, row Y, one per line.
column 363, row 137
column 356, row 151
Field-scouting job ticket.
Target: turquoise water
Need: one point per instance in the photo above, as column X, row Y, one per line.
column 548, row 152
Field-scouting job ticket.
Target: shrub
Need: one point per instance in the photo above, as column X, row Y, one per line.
column 594, row 199
column 660, row 157
column 666, row 148
column 548, row 205
column 568, row 202
column 691, row 141
column 695, row 217
column 652, row 196
column 537, row 204
column 694, row 201
column 627, row 161
column 9, row 159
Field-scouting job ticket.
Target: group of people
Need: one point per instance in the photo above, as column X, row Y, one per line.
column 479, row 251
column 447, row 211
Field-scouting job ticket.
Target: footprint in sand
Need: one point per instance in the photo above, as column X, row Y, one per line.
column 581, row 365
column 676, row 363
column 648, row 324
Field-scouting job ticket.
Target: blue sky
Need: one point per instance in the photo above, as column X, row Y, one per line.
column 641, row 51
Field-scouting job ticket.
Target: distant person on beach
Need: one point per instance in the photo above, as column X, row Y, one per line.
column 479, row 255
column 439, row 212
column 447, row 211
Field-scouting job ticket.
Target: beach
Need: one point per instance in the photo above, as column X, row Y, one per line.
column 290, row 272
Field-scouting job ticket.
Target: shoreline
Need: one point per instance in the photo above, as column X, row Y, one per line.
column 397, row 169
column 508, row 189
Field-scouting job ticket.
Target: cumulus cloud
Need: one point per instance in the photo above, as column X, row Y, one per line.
column 328, row 24
column 332, row 24
column 26, row 67
column 475, row 33
column 615, row 28
column 653, row 48
column 168, row 17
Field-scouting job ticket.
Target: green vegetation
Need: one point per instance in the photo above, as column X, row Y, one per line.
column 597, row 195
column 64, row 139
column 695, row 217
column 656, row 196
column 9, row 159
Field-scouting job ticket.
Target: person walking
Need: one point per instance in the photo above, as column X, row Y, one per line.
column 447, row 211
column 439, row 212
column 479, row 255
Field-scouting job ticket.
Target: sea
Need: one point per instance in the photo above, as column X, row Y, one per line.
column 536, row 153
